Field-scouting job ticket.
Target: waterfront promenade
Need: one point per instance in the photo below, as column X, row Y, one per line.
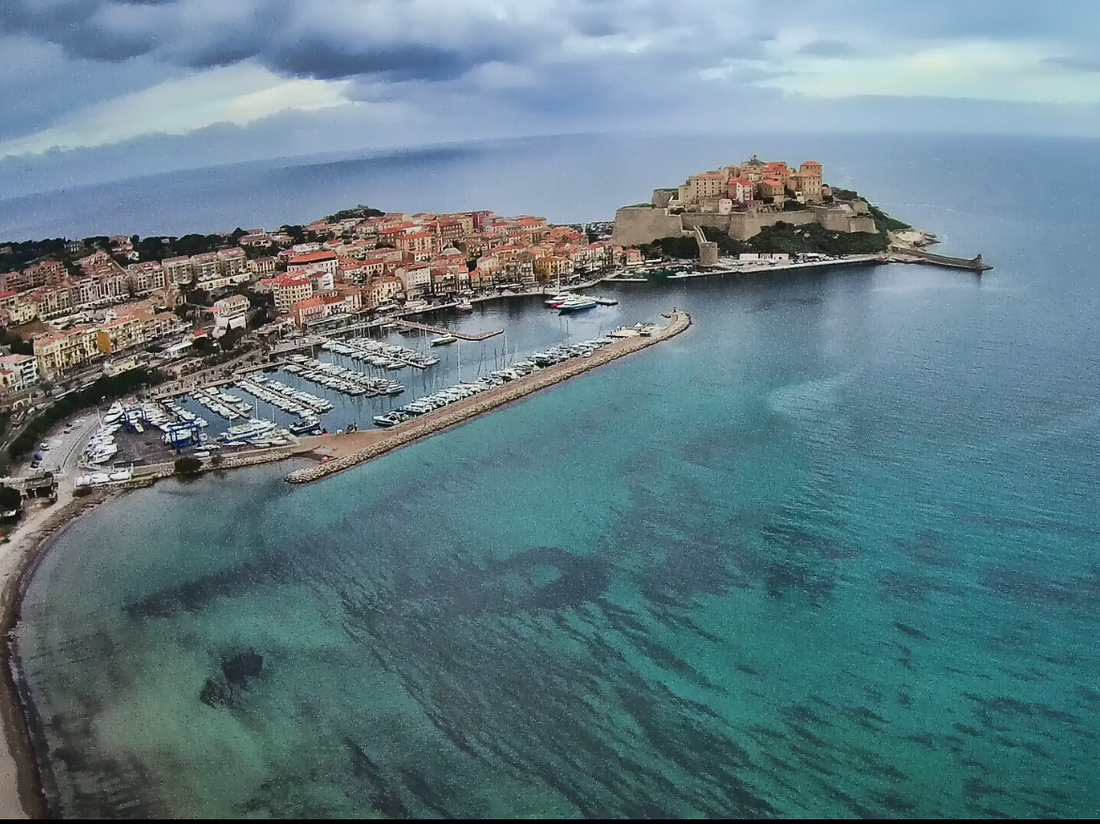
column 341, row 452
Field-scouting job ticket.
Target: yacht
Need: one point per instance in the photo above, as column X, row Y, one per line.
column 114, row 414
column 578, row 304
column 443, row 340
column 464, row 306
column 305, row 426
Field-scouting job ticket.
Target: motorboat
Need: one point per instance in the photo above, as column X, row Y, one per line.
column 443, row 340
column 464, row 306
column 577, row 305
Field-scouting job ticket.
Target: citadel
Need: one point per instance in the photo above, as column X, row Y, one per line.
column 740, row 201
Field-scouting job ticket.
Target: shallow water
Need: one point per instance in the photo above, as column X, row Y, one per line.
column 832, row 552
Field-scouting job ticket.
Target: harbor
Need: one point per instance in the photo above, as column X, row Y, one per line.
column 351, row 450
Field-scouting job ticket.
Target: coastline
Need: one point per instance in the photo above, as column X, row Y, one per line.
column 21, row 794
column 21, row 784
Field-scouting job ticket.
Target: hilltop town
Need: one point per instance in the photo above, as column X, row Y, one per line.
column 71, row 308
column 735, row 204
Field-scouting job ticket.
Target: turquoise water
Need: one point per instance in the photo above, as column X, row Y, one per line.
column 832, row 552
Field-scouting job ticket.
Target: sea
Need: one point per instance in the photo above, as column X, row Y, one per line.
column 833, row 552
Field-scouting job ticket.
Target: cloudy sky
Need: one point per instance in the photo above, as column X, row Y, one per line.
column 167, row 84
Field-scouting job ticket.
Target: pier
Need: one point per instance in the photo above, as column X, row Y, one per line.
column 906, row 255
column 439, row 330
column 340, row 452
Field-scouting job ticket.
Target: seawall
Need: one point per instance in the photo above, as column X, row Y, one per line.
column 374, row 443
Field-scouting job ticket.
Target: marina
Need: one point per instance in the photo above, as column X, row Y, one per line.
column 480, row 397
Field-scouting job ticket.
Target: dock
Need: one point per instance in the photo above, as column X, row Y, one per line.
column 341, row 452
column 907, row 255
column 439, row 330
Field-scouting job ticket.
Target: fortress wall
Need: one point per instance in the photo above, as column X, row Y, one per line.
column 709, row 221
column 637, row 225
column 863, row 223
column 744, row 225
column 661, row 197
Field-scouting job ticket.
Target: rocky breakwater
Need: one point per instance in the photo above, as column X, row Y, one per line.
column 374, row 444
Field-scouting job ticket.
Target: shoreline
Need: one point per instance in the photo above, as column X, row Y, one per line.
column 21, row 783
column 22, row 792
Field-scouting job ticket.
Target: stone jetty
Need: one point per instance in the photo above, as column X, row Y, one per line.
column 346, row 451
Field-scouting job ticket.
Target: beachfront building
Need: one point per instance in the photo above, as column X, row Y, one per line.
column 382, row 290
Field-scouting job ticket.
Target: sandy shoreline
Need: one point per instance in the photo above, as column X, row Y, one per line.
column 21, row 793
column 20, row 783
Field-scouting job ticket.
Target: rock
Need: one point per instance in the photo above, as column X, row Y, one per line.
column 238, row 669
column 215, row 694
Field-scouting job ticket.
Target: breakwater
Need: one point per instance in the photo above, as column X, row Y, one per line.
column 975, row 264
column 366, row 446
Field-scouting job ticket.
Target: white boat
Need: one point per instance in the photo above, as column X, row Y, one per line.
column 122, row 475
column 606, row 301
column 443, row 340
column 577, row 305
column 99, row 478
column 114, row 413
column 464, row 306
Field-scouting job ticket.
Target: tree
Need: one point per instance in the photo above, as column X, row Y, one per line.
column 187, row 465
column 10, row 499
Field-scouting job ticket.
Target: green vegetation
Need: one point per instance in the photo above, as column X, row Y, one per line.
column 361, row 212
column 187, row 465
column 103, row 390
column 25, row 253
column 886, row 223
column 10, row 499
column 677, row 247
column 17, row 344
column 783, row 237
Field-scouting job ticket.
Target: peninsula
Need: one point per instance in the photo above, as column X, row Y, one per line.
column 771, row 211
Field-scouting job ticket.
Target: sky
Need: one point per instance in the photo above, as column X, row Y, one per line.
column 92, row 89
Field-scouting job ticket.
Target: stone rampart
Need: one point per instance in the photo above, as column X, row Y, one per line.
column 744, row 225
column 635, row 225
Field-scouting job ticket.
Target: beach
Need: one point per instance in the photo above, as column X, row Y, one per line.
column 20, row 793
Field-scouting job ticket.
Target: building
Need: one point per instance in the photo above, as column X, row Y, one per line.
column 233, row 263
column 205, row 266
column 334, row 302
column 383, row 290
column 119, row 335
column 290, row 289
column 416, row 279
column 741, row 190
column 66, row 350
column 23, row 372
column 230, row 307
column 319, row 261
column 178, row 270
column 262, row 267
